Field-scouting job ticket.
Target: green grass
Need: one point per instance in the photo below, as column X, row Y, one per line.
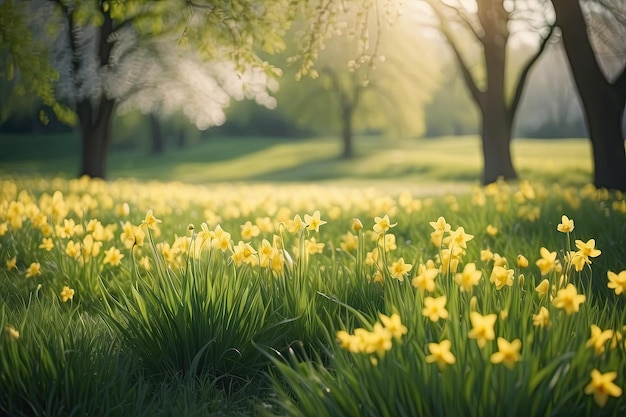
column 422, row 163
column 182, row 326
column 245, row 339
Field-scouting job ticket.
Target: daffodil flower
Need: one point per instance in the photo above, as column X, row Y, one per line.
column 482, row 327
column 440, row 353
column 314, row 222
column 435, row 308
column 468, row 278
column 67, row 294
column 568, row 299
column 602, row 386
column 566, row 225
column 508, row 352
column 617, row 282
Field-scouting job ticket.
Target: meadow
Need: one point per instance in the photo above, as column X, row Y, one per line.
column 150, row 297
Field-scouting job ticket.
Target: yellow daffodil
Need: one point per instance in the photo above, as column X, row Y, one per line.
column 67, row 294
column 383, row 224
column 491, row 230
column 312, row 246
column 68, row 229
column 348, row 342
column 4, row 227
column 602, row 386
column 547, row 261
column 249, row 230
column 543, row 287
column 588, row 249
column 499, row 260
column 11, row 263
column 265, row 252
column 243, row 252
column 357, row 225
column 486, row 255
column 379, row 340
column 568, row 299
column 598, row 339
column 145, row 262
column 349, row 242
column 458, row 238
column 122, row 210
column 566, row 225
column 221, row 239
column 580, row 258
column 508, row 352
column 542, row 319
column 522, row 262
column 399, row 269
column 265, row 224
column 112, row 256
column 440, row 353
column 501, row 276
column 482, row 327
column 72, row 249
column 394, row 325
column 435, row 308
column 425, row 278
column 33, row 270
column 296, row 225
column 47, row 244
column 440, row 225
column 151, row 221
column 388, row 242
column 617, row 282
column 11, row 332
column 314, row 222
column 468, row 278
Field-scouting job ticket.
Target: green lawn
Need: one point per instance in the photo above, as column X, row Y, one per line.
column 421, row 163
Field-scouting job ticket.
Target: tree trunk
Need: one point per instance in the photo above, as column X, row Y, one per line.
column 95, row 114
column 158, row 143
column 496, row 126
column 603, row 102
column 96, row 136
column 182, row 138
column 346, row 132
column 496, row 147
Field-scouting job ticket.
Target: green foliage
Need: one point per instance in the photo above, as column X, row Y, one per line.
column 25, row 64
column 179, row 324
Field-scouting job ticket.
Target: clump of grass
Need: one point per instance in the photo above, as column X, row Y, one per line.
column 55, row 361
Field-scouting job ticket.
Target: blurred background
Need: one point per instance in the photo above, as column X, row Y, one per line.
column 345, row 81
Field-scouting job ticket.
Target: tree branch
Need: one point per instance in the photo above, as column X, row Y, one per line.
column 465, row 72
column 521, row 82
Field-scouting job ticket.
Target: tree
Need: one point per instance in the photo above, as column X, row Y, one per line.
column 99, row 44
column 603, row 95
column 367, row 78
column 489, row 22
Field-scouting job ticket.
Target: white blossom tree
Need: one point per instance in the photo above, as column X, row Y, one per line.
column 157, row 56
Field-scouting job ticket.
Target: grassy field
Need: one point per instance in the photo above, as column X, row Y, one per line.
column 229, row 285
column 420, row 164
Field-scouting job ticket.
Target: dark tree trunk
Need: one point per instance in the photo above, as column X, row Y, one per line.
column 346, row 132
column 496, row 146
column 496, row 129
column 497, row 112
column 95, row 114
column 96, row 137
column 603, row 102
column 182, row 138
column 158, row 143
